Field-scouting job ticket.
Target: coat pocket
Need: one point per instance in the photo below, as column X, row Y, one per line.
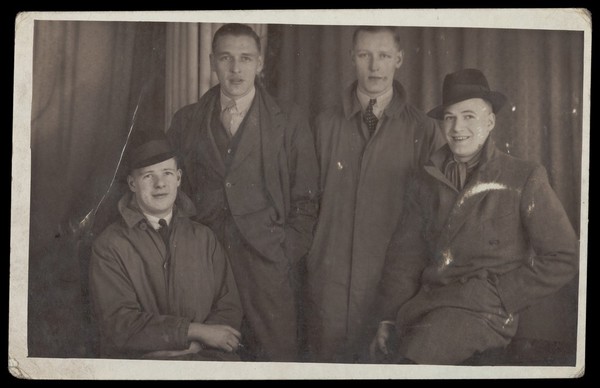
column 500, row 232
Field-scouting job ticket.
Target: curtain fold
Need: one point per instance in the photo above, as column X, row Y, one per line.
column 88, row 80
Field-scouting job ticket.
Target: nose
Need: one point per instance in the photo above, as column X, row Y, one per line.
column 374, row 63
column 457, row 125
column 159, row 182
column 235, row 66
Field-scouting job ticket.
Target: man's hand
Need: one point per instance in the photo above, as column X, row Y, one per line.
column 215, row 336
column 379, row 344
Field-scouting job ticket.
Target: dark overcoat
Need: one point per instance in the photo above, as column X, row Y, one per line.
column 465, row 264
column 144, row 302
column 361, row 189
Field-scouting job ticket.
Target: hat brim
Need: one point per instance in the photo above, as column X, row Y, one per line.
column 497, row 100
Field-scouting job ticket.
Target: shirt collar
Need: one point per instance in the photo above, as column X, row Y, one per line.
column 383, row 100
column 154, row 220
column 242, row 104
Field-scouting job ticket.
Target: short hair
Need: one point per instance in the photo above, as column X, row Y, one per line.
column 374, row 29
column 235, row 29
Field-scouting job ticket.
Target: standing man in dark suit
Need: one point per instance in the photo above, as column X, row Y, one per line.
column 252, row 172
column 484, row 237
column 367, row 147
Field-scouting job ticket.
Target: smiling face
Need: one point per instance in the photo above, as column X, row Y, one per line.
column 237, row 61
column 155, row 187
column 467, row 124
column 376, row 57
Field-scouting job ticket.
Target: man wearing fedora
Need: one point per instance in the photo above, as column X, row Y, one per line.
column 483, row 237
column 161, row 285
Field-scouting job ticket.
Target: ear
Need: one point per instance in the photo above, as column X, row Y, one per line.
column 399, row 59
column 131, row 183
column 213, row 65
column 491, row 121
column 178, row 174
column 260, row 64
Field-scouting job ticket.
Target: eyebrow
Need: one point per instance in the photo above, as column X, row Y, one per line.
column 144, row 172
column 219, row 53
column 447, row 112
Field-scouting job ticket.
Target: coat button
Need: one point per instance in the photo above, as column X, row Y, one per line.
column 228, row 185
column 462, row 280
column 426, row 287
column 229, row 150
column 143, row 226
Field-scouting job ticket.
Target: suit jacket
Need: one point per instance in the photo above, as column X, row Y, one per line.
column 289, row 170
column 503, row 242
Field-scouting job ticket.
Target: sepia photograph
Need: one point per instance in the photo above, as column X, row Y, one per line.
column 300, row 194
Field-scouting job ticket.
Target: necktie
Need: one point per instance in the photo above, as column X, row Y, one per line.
column 456, row 172
column 228, row 118
column 369, row 117
column 164, row 231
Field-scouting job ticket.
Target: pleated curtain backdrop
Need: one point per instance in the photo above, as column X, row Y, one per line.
column 91, row 78
column 188, row 74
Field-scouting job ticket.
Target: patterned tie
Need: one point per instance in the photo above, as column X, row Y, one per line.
column 228, row 118
column 369, row 117
column 164, row 231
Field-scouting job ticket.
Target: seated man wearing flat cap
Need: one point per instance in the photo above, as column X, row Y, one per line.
column 484, row 237
column 161, row 285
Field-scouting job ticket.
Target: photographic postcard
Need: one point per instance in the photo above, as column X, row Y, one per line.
column 84, row 80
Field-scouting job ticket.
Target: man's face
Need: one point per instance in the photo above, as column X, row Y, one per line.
column 236, row 61
column 467, row 125
column 375, row 57
column 155, row 187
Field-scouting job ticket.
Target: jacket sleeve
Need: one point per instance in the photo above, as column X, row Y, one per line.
column 303, row 180
column 554, row 261
column 122, row 322
column 431, row 140
column 226, row 308
column 405, row 260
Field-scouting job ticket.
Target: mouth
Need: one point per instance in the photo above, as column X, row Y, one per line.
column 160, row 196
column 460, row 138
column 236, row 81
column 375, row 78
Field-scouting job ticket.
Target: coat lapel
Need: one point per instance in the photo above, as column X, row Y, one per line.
column 272, row 124
column 207, row 147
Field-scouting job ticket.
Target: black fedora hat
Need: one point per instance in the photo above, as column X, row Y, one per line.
column 147, row 148
column 463, row 85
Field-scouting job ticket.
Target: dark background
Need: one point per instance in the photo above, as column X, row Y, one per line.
column 90, row 77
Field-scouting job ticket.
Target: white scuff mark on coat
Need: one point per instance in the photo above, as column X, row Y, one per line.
column 530, row 208
column 481, row 188
column 508, row 320
column 447, row 259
